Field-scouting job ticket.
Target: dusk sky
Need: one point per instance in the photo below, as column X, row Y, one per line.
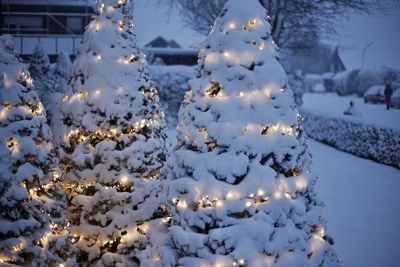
column 152, row 20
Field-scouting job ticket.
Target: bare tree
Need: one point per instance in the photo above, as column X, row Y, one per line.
column 296, row 24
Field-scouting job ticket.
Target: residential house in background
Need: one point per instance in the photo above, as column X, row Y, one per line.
column 336, row 64
column 163, row 52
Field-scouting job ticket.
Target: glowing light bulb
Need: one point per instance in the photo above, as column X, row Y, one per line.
column 248, row 204
column 98, row 57
column 261, row 46
column 232, row 25
column 260, row 192
column 124, row 179
column 229, row 195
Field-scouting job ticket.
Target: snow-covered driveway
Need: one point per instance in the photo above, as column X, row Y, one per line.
column 362, row 207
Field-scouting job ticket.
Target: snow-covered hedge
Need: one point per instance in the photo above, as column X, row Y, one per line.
column 364, row 140
column 172, row 83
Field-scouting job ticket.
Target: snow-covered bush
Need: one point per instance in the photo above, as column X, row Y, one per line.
column 339, row 83
column 364, row 140
column 357, row 82
column 32, row 225
column 314, row 83
column 113, row 143
column 239, row 187
column 172, row 83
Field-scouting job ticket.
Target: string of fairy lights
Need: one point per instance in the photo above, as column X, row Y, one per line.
column 247, row 201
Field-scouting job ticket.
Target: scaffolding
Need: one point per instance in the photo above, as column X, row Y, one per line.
column 57, row 24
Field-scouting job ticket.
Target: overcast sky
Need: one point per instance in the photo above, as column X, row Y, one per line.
column 383, row 31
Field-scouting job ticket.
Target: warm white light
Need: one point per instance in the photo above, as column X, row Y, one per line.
column 229, row 195
column 182, row 204
column 97, row 92
column 248, row 204
column 227, row 55
column 232, row 25
column 301, row 183
column 260, row 192
column 261, row 46
column 277, row 195
column 98, row 57
column 3, row 114
column 124, row 179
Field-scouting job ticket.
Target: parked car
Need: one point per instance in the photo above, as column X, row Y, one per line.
column 396, row 99
column 375, row 95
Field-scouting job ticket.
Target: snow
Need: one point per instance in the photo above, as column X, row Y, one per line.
column 362, row 211
column 361, row 199
column 238, row 183
column 333, row 105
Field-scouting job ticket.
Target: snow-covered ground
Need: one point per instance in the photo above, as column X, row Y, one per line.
column 362, row 206
column 333, row 105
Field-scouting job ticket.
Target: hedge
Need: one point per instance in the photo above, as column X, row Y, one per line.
column 364, row 140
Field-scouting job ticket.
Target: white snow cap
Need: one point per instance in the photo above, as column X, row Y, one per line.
column 239, row 185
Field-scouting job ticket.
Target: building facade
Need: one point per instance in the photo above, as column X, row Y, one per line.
column 57, row 24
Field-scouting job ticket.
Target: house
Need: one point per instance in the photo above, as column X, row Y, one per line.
column 162, row 51
column 336, row 64
column 58, row 25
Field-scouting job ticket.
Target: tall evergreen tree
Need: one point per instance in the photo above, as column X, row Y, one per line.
column 239, row 186
column 114, row 141
column 33, row 229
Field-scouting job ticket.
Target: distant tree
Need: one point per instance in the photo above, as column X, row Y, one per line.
column 33, row 228
column 60, row 74
column 62, row 70
column 296, row 24
column 44, row 81
column 113, row 142
column 239, row 186
column 297, row 86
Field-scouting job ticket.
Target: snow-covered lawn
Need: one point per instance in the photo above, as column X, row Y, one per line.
column 333, row 105
column 362, row 207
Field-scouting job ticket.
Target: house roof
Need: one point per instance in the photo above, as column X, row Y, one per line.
column 161, row 42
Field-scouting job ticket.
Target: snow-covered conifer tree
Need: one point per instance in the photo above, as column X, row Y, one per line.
column 61, row 75
column 33, row 229
column 63, row 65
column 239, row 186
column 40, row 63
column 43, row 77
column 114, row 141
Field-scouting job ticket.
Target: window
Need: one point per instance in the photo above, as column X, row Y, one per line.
column 74, row 24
